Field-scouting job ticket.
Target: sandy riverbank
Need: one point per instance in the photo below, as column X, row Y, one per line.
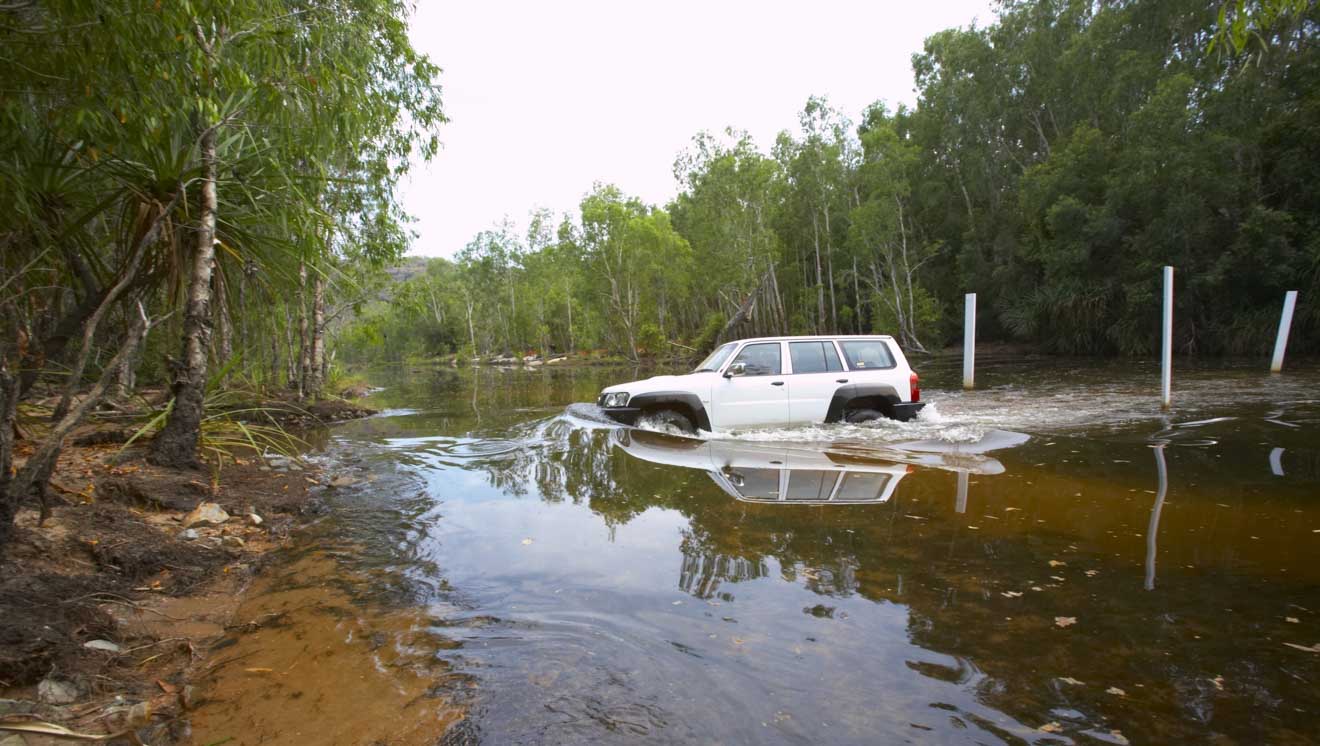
column 119, row 602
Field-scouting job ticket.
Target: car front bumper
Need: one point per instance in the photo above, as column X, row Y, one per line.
column 905, row 411
column 624, row 415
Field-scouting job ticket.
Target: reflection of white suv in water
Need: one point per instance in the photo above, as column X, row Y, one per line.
column 813, row 474
column 772, row 473
column 777, row 381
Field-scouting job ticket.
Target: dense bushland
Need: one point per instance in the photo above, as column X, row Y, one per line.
column 1053, row 162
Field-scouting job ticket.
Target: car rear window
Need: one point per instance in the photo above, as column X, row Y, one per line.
column 867, row 354
column 862, row 486
column 814, row 357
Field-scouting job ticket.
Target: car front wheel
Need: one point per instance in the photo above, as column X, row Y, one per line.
column 863, row 415
column 672, row 418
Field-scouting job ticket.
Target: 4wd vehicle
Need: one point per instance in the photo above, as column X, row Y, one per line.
column 774, row 381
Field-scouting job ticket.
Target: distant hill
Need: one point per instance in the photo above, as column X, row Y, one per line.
column 408, row 268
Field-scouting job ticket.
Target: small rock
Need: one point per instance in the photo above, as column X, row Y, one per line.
column 343, row 481
column 206, row 514
column 356, row 391
column 105, row 645
column 189, row 534
column 254, row 519
column 56, row 692
column 233, row 542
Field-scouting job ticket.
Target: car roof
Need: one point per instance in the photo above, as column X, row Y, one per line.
column 814, row 337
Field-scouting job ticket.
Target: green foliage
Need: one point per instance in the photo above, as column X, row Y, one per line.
column 650, row 339
column 1054, row 161
column 318, row 110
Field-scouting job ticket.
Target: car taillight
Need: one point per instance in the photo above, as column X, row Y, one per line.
column 915, row 387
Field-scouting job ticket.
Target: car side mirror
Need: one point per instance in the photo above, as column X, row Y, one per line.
column 737, row 369
column 734, row 477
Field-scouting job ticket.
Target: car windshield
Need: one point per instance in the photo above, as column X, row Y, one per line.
column 716, row 358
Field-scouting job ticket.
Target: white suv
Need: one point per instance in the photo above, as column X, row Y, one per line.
column 773, row 381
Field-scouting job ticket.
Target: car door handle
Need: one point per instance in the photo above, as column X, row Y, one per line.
column 841, row 380
column 776, row 383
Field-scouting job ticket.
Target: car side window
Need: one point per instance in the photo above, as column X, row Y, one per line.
column 814, row 357
column 761, row 359
column 810, row 484
column 867, row 354
column 754, row 484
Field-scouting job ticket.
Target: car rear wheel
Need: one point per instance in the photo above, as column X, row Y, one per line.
column 673, row 418
column 863, row 415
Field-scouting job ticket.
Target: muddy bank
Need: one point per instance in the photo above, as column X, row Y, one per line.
column 112, row 608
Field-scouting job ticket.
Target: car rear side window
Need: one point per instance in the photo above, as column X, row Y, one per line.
column 761, row 359
column 814, row 357
column 867, row 354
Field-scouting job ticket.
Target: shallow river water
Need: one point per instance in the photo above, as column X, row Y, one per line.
column 1047, row 559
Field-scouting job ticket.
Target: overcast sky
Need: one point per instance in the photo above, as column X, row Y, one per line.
column 546, row 98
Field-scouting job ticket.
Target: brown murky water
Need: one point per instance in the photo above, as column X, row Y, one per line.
column 1048, row 559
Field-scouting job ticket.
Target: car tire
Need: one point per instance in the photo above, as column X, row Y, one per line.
column 863, row 415
column 673, row 418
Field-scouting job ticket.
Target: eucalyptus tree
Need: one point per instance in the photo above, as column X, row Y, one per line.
column 726, row 210
column 817, row 168
column 338, row 101
column 882, row 231
column 630, row 253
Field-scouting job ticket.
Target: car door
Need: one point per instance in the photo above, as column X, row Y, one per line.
column 753, row 472
column 759, row 396
column 817, row 374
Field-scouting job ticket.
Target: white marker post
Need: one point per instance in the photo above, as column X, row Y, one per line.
column 960, row 502
column 969, row 340
column 1285, row 325
column 1153, row 529
column 1276, row 462
column 1166, row 350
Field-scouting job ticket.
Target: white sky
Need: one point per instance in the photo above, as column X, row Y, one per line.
column 547, row 98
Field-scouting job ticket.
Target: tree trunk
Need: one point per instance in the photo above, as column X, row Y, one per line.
column 127, row 279
column 304, row 344
column 275, row 352
column 829, row 263
column 33, row 478
column 126, row 377
column 820, row 284
column 472, row 331
column 857, row 299
column 290, row 359
column 224, row 337
column 571, row 344
column 36, row 356
column 244, row 343
column 316, row 353
column 8, row 413
column 176, row 444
